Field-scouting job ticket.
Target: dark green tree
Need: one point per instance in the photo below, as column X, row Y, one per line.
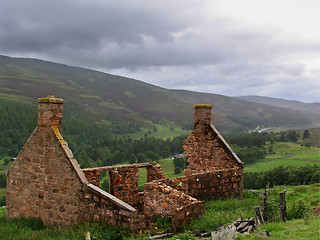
column 306, row 134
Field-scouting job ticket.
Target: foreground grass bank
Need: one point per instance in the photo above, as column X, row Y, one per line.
column 302, row 222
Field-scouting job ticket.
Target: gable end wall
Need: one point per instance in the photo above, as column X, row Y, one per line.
column 42, row 183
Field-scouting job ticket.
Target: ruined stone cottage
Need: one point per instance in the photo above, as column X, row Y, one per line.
column 45, row 181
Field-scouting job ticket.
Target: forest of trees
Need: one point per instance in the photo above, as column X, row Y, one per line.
column 96, row 145
column 92, row 144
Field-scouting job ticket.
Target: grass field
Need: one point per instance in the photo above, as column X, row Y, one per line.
column 169, row 130
column 167, row 168
column 287, row 154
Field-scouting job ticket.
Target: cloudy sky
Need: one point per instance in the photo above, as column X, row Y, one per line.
column 229, row 47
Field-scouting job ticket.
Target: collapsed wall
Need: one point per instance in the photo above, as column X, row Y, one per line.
column 162, row 199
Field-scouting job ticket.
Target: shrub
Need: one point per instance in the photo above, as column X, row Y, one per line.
column 297, row 210
column 272, row 211
column 2, row 180
column 283, row 176
column 2, row 200
column 177, row 170
column 161, row 221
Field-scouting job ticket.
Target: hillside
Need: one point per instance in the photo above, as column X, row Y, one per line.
column 105, row 98
column 278, row 102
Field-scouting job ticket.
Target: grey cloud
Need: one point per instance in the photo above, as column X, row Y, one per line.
column 84, row 24
column 169, row 43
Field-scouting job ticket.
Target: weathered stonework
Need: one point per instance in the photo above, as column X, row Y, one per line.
column 124, row 184
column 154, row 172
column 162, row 199
column 45, row 181
column 93, row 176
column 219, row 184
column 207, row 151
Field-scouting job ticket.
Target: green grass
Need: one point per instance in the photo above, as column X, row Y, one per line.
column 221, row 212
column 169, row 130
column 142, row 177
column 295, row 229
column 168, row 168
column 33, row 229
column 287, row 154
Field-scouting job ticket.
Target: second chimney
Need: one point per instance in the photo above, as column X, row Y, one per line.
column 50, row 110
column 202, row 114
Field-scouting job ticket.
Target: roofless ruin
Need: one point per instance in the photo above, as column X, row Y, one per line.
column 45, row 181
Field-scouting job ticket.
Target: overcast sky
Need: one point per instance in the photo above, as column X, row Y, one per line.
column 229, row 47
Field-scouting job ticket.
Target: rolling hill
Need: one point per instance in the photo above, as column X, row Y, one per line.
column 278, row 102
column 103, row 98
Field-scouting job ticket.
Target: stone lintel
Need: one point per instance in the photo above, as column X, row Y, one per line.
column 110, row 168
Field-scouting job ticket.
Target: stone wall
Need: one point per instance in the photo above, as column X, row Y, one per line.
column 46, row 182
column 124, row 184
column 219, row 184
column 161, row 199
column 41, row 183
column 104, row 207
column 154, row 172
column 205, row 148
column 93, row 177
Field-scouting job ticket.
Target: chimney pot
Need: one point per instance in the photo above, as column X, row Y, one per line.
column 50, row 112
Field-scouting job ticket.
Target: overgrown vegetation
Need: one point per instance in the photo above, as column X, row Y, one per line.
column 33, row 229
column 291, row 175
column 179, row 164
column 300, row 202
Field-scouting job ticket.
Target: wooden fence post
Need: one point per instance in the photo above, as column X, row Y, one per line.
column 282, row 206
column 264, row 204
column 259, row 219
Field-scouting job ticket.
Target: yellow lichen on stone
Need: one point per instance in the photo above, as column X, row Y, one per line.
column 62, row 141
column 50, row 99
column 207, row 106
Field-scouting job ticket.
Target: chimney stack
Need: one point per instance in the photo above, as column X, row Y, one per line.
column 50, row 111
column 202, row 114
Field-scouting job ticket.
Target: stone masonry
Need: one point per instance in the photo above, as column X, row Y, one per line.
column 208, row 152
column 46, row 182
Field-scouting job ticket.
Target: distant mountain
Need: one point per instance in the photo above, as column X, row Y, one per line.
column 278, row 102
column 105, row 98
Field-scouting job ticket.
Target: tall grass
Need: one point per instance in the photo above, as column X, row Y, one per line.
column 33, row 229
